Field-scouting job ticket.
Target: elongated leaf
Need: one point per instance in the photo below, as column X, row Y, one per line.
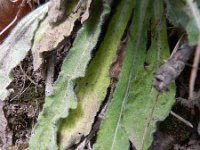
column 107, row 137
column 141, row 98
column 134, row 96
column 48, row 37
column 92, row 89
column 63, row 97
column 15, row 47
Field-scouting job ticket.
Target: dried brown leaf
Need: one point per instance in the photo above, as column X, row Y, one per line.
column 49, row 37
column 86, row 14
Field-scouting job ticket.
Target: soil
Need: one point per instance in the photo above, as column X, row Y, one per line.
column 24, row 104
column 18, row 114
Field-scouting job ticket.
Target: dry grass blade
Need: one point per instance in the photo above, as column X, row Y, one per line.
column 176, row 46
column 194, row 70
column 181, row 119
column 195, row 13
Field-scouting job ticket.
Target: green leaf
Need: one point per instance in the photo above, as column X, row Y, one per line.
column 112, row 135
column 128, row 113
column 142, row 95
column 179, row 14
column 92, row 89
column 63, row 97
column 16, row 46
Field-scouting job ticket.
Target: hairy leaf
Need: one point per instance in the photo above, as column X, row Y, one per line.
column 140, row 100
column 92, row 89
column 15, row 47
column 63, row 98
column 179, row 14
column 48, row 37
column 129, row 110
column 111, row 135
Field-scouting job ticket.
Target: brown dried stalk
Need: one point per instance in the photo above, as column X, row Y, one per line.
column 194, row 70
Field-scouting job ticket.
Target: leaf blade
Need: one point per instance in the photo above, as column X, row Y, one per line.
column 141, row 100
column 107, row 135
column 128, row 103
column 92, row 89
column 180, row 14
column 16, row 46
column 63, row 96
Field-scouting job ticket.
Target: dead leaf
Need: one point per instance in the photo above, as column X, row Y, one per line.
column 86, row 14
column 48, row 37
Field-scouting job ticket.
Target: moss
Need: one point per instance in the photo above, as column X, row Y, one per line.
column 33, row 93
column 175, row 128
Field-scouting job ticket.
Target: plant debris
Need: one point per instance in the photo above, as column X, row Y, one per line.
column 172, row 68
column 23, row 106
